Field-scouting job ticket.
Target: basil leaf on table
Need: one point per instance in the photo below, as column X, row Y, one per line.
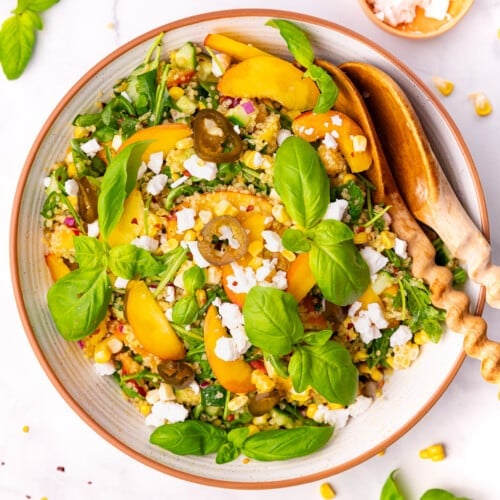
column 78, row 302
column 301, row 181
column 328, row 368
column 283, row 444
column 129, row 261
column 272, row 320
column 191, row 437
column 390, row 490
column 439, row 494
column 118, row 181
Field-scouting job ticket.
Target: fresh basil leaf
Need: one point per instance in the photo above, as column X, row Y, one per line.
column 296, row 41
column 185, row 310
column 272, row 320
column 330, row 232
column 278, row 364
column 327, row 368
column 301, row 181
column 90, row 253
column 129, row 261
column 295, row 240
column 191, row 437
column 35, row 5
column 194, row 278
column 238, row 436
column 118, row 181
column 79, row 301
column 390, row 490
column 327, row 88
column 439, row 494
column 227, row 453
column 213, row 395
column 283, row 444
column 318, row 338
column 17, row 39
column 340, row 271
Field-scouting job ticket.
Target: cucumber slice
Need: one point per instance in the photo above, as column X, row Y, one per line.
column 185, row 57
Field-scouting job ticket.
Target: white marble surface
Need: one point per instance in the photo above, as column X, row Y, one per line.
column 466, row 419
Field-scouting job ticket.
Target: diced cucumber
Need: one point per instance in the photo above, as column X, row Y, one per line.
column 185, row 105
column 239, row 116
column 204, row 68
column 185, row 57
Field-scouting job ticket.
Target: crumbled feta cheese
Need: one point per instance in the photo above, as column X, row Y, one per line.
column 156, row 184
column 242, row 279
column 169, row 314
column 376, row 315
column 265, row 269
column 336, row 210
column 47, row 181
column 400, row 247
column 329, row 140
column 400, row 336
column 231, row 315
column 90, row 148
column 198, row 259
column 283, row 134
column 93, row 229
column 437, row 9
column 185, row 219
column 170, row 293
column 166, row 392
column 155, row 162
column 368, row 322
column 272, row 241
column 359, row 406
column 71, row 187
column 116, row 142
column 104, row 369
column 355, row 307
column 280, row 281
column 225, row 349
column 226, row 233
column 166, row 411
column 153, row 396
column 121, row 283
column 375, row 260
column 146, row 243
column 199, row 168
column 337, row 418
column 336, row 120
column 195, row 387
column 181, row 180
column 396, row 12
column 141, row 170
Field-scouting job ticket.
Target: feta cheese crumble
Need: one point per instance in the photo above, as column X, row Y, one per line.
column 400, row 336
column 90, row 148
column 185, row 219
column 375, row 260
column 272, row 241
column 201, row 169
column 368, row 322
column 155, row 162
column 71, row 187
column 146, row 243
column 156, row 184
column 166, row 411
column 336, row 210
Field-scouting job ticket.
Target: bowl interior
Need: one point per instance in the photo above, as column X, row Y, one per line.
column 407, row 395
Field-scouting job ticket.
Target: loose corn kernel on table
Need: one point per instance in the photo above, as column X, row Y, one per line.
column 46, row 451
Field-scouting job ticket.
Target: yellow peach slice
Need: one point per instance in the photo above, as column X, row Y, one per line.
column 233, row 48
column 131, row 222
column 57, row 266
column 270, row 77
column 235, row 376
column 349, row 136
column 300, row 277
column 149, row 323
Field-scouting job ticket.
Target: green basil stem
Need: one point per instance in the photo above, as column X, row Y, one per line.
column 226, row 405
column 403, row 299
column 156, row 45
column 377, row 216
column 160, row 93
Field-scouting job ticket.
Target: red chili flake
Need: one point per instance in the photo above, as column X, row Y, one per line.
column 186, row 173
column 359, row 229
column 60, row 468
column 134, row 221
column 258, row 364
column 235, row 283
column 250, row 208
column 230, row 417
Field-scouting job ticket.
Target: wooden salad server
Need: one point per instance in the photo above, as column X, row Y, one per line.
column 439, row 278
column 427, row 192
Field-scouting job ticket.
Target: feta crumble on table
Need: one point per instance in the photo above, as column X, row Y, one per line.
column 396, row 12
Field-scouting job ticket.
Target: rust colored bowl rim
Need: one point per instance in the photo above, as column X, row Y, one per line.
column 16, row 273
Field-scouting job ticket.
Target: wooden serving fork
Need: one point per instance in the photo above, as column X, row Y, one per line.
column 439, row 278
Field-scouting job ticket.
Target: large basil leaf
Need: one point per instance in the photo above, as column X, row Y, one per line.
column 301, row 181
column 129, row 261
column 340, row 271
column 118, row 181
column 185, row 310
column 283, row 444
column 327, row 368
column 330, row 232
column 90, row 253
column 327, row 87
column 191, row 437
column 78, row 302
column 272, row 320
column 440, row 494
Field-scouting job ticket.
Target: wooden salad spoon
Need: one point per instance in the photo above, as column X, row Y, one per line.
column 427, row 192
column 439, row 278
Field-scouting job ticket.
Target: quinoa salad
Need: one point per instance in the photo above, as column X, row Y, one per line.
column 215, row 248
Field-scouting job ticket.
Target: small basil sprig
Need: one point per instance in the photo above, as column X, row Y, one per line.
column 117, row 183
column 187, row 308
column 302, row 183
column 302, row 51
column 273, row 323
column 18, row 35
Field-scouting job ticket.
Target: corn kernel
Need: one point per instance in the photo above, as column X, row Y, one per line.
column 360, row 238
column 482, row 104
column 172, row 243
column 190, row 235
column 253, row 429
column 255, row 263
column 381, row 453
column 144, row 408
column 79, row 132
column 335, row 406
column 198, row 226
column 255, row 247
column 387, row 239
column 326, row 491
column 72, row 172
column 214, row 275
column 102, row 353
column 176, row 93
column 360, row 356
column 246, row 460
column 288, row 255
column 281, row 215
column 26, row 428
column 348, row 177
column 262, row 382
column 115, row 345
column 311, row 410
column 434, row 452
column 260, row 420
column 201, row 297
column 421, row 337
column 225, row 208
column 445, row 87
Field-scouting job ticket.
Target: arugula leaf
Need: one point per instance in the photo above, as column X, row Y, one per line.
column 118, row 181
column 78, row 302
column 283, row 444
column 129, row 261
column 18, row 35
column 390, row 490
column 272, row 320
column 191, row 437
column 301, row 181
column 354, row 195
column 328, row 368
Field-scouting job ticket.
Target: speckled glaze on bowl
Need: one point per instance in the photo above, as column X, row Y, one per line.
column 407, row 396
column 422, row 26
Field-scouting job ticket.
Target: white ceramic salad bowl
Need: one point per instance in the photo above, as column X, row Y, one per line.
column 407, row 396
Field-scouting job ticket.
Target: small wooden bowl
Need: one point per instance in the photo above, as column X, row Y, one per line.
column 422, row 26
